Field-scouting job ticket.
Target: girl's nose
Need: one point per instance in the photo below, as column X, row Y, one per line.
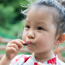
column 31, row 35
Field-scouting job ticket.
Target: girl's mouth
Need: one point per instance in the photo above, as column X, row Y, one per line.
column 27, row 43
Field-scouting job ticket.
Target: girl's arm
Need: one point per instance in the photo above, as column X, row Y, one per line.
column 5, row 61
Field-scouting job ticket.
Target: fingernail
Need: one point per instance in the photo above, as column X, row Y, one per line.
column 23, row 41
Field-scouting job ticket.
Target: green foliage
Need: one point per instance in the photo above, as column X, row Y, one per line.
column 13, row 31
column 7, row 15
column 10, row 17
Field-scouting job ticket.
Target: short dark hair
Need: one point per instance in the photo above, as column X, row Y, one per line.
column 60, row 23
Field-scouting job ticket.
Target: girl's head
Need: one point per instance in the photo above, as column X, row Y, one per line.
column 44, row 23
column 57, row 12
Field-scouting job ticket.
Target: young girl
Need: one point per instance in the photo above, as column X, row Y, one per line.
column 44, row 26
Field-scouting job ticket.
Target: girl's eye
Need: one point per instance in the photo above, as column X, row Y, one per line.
column 40, row 28
column 27, row 26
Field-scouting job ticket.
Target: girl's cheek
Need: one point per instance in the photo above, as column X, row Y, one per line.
column 42, row 41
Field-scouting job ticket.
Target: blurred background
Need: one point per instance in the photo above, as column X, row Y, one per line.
column 11, row 17
column 12, row 24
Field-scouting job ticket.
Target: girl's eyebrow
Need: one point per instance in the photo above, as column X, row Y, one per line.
column 41, row 22
column 38, row 22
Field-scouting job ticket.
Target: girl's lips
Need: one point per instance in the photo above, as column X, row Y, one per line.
column 28, row 42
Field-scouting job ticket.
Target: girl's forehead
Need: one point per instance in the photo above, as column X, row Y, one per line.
column 39, row 14
column 43, row 12
column 37, row 22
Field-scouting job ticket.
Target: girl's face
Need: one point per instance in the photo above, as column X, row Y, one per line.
column 39, row 30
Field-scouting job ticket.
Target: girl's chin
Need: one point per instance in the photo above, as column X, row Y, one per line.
column 31, row 50
column 37, row 51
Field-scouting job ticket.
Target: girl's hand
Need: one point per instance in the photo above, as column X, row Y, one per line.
column 13, row 48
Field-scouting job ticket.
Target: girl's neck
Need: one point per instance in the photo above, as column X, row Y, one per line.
column 42, row 57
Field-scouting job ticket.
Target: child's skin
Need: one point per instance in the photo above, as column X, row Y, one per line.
column 40, row 31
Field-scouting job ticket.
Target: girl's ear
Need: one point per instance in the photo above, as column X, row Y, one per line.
column 60, row 39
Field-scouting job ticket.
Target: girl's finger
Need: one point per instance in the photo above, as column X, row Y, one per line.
column 20, row 45
column 21, row 41
column 11, row 50
column 13, row 45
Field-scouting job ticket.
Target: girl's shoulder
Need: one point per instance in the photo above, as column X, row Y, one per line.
column 20, row 58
